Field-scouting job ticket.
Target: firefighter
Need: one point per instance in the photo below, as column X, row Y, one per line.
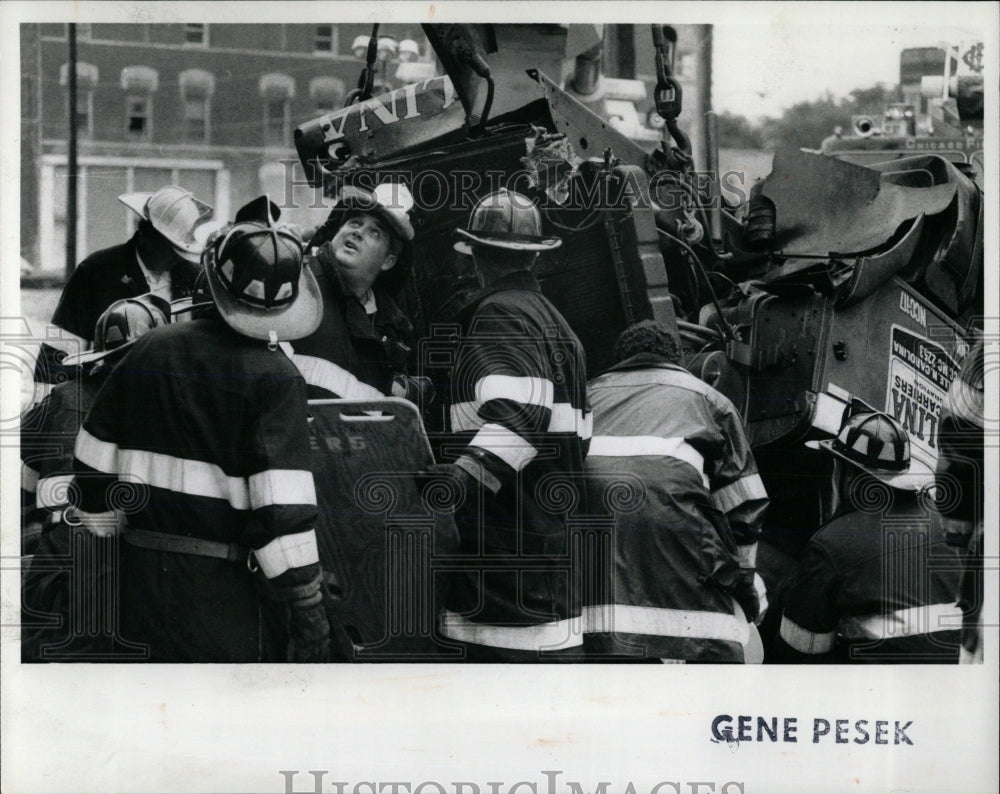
column 959, row 491
column 48, row 433
column 363, row 345
column 199, row 438
column 161, row 258
column 681, row 584
column 519, row 423
column 877, row 583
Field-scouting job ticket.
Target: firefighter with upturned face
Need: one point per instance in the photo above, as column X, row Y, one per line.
column 161, row 258
column 520, row 426
column 48, row 433
column 362, row 347
column 878, row 582
column 196, row 452
column 680, row 582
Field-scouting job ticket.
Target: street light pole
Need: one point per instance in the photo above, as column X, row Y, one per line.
column 71, row 168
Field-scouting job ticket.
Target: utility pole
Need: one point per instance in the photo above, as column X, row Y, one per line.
column 71, row 203
column 31, row 137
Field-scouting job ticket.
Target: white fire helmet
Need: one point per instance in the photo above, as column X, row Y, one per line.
column 176, row 214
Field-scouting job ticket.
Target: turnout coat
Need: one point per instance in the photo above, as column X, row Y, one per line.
column 674, row 482
column 876, row 585
column 199, row 438
column 519, row 418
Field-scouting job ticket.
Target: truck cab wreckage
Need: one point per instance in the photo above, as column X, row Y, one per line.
column 834, row 284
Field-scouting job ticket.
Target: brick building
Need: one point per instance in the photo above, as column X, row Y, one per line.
column 210, row 107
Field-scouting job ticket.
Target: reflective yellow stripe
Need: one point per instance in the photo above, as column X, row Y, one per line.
column 564, row 419
column 903, row 623
column 100, row 455
column 287, row 552
column 464, row 416
column 761, row 588
column 747, row 555
column 505, row 444
column 633, row 446
column 524, row 390
column 181, row 475
column 103, row 525
column 567, row 419
column 745, row 489
column 29, row 478
column 198, row 478
column 480, row 472
column 541, row 637
column 680, row 623
column 829, row 412
column 282, row 487
column 327, row 375
column 806, row 641
column 53, row 491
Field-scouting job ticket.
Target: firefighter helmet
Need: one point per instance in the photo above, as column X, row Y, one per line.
column 121, row 324
column 505, row 219
column 390, row 201
column 877, row 444
column 257, row 279
column 176, row 214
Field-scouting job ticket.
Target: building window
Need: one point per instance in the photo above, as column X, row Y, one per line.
column 139, row 84
column 85, row 114
column 277, row 91
column 139, row 116
column 327, row 93
column 276, row 122
column 86, row 81
column 196, row 120
column 196, row 34
column 323, row 44
column 197, row 87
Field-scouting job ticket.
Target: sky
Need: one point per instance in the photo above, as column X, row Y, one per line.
column 759, row 70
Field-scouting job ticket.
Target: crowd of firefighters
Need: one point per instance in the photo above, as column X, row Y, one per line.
column 170, row 508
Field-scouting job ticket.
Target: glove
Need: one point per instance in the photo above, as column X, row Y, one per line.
column 310, row 631
column 308, row 627
column 745, row 593
column 460, row 482
column 418, row 389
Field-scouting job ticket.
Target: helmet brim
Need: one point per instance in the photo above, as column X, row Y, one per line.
column 509, row 242
column 90, row 356
column 191, row 251
column 915, row 478
column 193, row 256
column 294, row 321
column 352, row 198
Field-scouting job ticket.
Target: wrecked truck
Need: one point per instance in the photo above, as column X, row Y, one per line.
column 831, row 284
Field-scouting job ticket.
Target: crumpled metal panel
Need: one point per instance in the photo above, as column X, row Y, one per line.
column 379, row 128
column 825, row 206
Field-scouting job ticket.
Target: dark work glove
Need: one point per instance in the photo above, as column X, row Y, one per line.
column 308, row 627
column 419, row 390
column 745, row 593
column 458, row 485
